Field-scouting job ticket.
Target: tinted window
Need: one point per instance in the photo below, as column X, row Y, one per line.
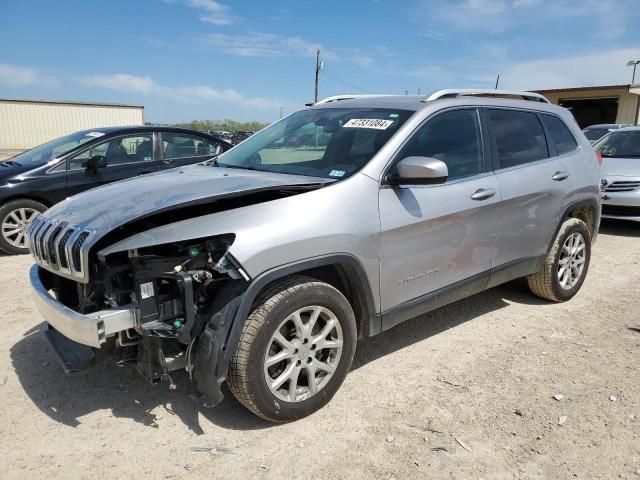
column 560, row 134
column 178, row 145
column 117, row 151
column 453, row 137
column 519, row 137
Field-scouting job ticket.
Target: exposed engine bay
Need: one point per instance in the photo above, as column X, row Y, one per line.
column 177, row 289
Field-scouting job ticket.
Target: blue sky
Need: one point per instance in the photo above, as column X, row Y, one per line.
column 197, row 59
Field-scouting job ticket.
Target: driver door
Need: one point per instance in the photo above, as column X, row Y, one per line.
column 126, row 156
column 438, row 241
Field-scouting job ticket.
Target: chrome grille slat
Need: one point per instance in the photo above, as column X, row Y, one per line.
column 623, row 186
column 60, row 247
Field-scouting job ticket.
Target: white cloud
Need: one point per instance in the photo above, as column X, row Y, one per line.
column 126, row 83
column 21, row 76
column 265, row 45
column 216, row 13
column 122, row 82
column 17, row 76
column 212, row 11
column 596, row 68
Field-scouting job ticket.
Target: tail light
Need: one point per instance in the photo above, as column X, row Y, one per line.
column 599, row 157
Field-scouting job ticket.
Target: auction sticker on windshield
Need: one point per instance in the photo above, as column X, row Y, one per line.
column 376, row 123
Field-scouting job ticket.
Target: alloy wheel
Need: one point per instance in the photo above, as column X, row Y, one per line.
column 15, row 225
column 303, row 354
column 572, row 261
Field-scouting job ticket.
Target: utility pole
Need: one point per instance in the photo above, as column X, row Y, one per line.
column 280, row 112
column 318, row 66
column 497, row 81
column 635, row 64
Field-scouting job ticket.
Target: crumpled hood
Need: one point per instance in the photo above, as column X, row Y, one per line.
column 105, row 208
column 621, row 167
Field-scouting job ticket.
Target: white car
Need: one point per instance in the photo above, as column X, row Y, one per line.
column 620, row 151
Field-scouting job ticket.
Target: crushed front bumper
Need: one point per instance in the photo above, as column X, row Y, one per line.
column 91, row 329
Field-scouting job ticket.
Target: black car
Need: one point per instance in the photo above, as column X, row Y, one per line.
column 36, row 179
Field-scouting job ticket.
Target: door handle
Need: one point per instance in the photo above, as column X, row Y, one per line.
column 559, row 176
column 483, row 194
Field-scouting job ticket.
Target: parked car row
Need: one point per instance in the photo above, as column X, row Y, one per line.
column 232, row 137
column 36, row 179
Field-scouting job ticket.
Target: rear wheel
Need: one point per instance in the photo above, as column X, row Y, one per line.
column 566, row 265
column 295, row 350
column 15, row 218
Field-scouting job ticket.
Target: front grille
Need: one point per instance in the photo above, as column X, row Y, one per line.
column 59, row 247
column 626, row 186
column 76, row 250
column 620, row 211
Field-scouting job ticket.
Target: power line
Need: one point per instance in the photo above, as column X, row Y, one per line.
column 346, row 83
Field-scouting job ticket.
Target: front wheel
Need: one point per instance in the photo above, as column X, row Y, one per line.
column 295, row 350
column 566, row 264
column 15, row 218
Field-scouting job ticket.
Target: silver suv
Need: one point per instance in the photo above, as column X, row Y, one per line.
column 263, row 266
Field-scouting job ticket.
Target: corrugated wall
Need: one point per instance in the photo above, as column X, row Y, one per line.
column 24, row 125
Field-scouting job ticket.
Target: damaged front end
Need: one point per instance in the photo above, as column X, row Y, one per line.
column 175, row 305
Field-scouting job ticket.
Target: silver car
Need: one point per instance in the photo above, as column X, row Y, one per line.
column 620, row 151
column 263, row 266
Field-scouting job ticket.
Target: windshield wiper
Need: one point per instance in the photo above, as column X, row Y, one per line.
column 211, row 161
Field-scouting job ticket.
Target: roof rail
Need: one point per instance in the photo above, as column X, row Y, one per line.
column 337, row 98
column 453, row 92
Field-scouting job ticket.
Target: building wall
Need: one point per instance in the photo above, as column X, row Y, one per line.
column 26, row 124
column 627, row 102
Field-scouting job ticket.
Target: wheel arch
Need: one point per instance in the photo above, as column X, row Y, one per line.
column 34, row 198
column 587, row 210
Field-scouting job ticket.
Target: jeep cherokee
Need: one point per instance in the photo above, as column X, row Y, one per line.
column 263, row 266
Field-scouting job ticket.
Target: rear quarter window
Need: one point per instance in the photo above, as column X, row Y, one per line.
column 560, row 134
column 519, row 137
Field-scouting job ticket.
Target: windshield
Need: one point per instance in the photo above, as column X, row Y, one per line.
column 624, row 144
column 595, row 133
column 329, row 143
column 50, row 150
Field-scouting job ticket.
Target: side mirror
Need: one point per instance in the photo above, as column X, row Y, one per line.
column 96, row 162
column 419, row 171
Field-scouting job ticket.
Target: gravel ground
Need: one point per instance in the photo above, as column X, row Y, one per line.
column 466, row 392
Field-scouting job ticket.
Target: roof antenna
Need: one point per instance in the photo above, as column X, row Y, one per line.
column 497, row 81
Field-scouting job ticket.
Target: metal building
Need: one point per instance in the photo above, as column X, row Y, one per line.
column 599, row 104
column 25, row 124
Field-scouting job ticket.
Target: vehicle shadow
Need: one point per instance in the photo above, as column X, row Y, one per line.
column 67, row 398
column 623, row 228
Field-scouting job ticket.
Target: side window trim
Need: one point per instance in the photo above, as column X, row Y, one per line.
column 494, row 145
column 551, row 145
column 484, row 147
column 550, row 140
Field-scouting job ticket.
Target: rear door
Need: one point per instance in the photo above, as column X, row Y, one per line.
column 534, row 182
column 126, row 156
column 178, row 149
column 442, row 236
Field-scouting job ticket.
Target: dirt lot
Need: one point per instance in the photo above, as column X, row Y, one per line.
column 465, row 392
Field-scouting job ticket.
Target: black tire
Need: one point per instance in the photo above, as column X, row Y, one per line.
column 545, row 282
column 5, row 211
column 246, row 378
